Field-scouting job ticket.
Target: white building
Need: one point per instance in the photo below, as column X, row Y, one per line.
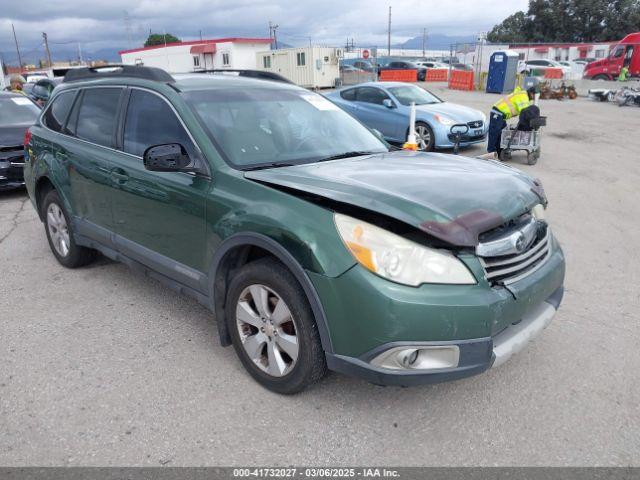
column 558, row 51
column 184, row 57
column 310, row 67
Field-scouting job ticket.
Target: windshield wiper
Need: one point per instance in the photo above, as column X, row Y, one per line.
column 346, row 155
column 263, row 166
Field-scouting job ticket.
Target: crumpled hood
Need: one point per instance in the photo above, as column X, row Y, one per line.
column 453, row 198
column 456, row 112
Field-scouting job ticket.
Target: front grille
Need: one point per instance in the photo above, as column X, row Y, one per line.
column 511, row 268
column 476, row 124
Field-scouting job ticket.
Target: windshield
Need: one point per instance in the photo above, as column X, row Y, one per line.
column 411, row 93
column 256, row 126
column 17, row 111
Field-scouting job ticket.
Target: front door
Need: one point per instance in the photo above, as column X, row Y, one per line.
column 159, row 217
column 373, row 113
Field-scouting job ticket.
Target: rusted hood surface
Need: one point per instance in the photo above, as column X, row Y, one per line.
column 453, row 198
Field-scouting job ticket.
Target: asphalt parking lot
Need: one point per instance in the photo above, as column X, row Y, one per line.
column 102, row 366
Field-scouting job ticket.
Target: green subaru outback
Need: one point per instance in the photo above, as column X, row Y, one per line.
column 315, row 245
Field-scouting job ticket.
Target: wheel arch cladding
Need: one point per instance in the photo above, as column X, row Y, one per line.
column 42, row 186
column 242, row 248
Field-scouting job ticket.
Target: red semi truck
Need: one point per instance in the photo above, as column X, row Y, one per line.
column 624, row 54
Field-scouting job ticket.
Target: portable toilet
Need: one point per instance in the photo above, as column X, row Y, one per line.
column 503, row 69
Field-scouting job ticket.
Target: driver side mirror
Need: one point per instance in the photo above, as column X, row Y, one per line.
column 388, row 103
column 170, row 157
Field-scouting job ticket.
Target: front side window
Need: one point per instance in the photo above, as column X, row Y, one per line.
column 151, row 121
column 300, row 59
column 257, row 126
column 18, row 110
column 371, row 95
column 618, row 52
column 96, row 120
column 411, row 93
column 57, row 113
column 349, row 94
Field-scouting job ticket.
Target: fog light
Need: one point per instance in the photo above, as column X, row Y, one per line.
column 419, row 357
column 407, row 357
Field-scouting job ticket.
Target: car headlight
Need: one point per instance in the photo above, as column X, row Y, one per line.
column 538, row 212
column 483, row 117
column 398, row 259
column 444, row 120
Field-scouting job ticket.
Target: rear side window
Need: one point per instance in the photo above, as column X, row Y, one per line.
column 96, row 121
column 151, row 121
column 57, row 113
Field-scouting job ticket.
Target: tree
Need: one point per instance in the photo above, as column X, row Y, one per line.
column 569, row 21
column 160, row 39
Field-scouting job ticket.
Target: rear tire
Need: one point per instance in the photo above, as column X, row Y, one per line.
column 59, row 232
column 273, row 328
column 601, row 77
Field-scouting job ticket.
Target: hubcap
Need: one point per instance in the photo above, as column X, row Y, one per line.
column 423, row 137
column 58, row 230
column 267, row 330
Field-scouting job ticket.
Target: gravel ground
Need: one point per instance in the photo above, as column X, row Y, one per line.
column 102, row 366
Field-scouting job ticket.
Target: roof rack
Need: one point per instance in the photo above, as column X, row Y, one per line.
column 258, row 74
column 118, row 71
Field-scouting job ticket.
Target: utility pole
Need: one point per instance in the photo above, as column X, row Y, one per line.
column 424, row 42
column 46, row 47
column 79, row 54
column 272, row 34
column 200, row 35
column 15, row 39
column 389, row 34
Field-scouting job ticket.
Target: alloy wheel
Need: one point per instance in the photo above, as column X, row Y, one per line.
column 423, row 137
column 58, row 229
column 267, row 330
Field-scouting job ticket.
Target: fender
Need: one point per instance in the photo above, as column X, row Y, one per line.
column 277, row 250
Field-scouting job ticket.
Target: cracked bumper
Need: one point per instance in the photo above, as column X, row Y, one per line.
column 476, row 355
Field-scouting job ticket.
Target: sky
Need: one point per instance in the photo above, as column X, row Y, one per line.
column 99, row 24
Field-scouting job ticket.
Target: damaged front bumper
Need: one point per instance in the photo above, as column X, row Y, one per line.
column 390, row 334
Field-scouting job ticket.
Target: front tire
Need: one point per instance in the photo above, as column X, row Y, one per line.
column 273, row 328
column 424, row 137
column 60, row 234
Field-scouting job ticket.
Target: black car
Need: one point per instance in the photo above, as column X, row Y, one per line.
column 404, row 65
column 17, row 114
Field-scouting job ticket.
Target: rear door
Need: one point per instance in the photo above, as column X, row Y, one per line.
column 88, row 158
column 159, row 217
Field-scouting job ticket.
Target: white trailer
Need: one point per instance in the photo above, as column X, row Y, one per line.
column 310, row 67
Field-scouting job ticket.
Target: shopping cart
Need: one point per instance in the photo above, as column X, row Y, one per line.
column 514, row 139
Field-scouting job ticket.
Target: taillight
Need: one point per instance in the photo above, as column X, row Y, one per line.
column 27, row 138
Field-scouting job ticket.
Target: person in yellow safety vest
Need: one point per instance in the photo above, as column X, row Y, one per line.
column 504, row 109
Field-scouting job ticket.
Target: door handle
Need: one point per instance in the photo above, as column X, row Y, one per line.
column 119, row 175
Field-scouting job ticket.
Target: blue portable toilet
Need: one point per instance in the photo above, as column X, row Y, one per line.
column 503, row 69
